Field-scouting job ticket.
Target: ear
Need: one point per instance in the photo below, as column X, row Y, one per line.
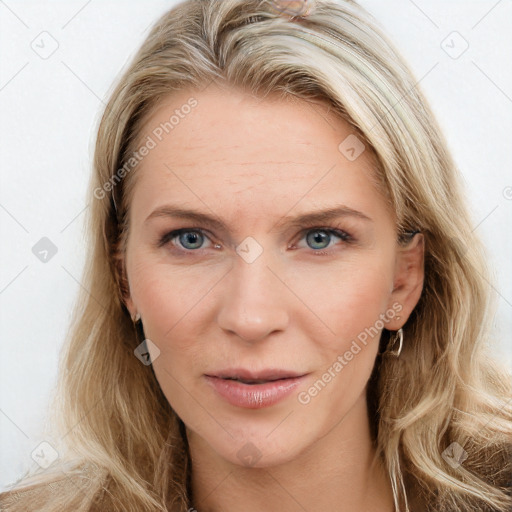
column 408, row 280
column 130, row 306
column 122, row 281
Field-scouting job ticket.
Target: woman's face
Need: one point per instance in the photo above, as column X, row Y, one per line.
column 267, row 324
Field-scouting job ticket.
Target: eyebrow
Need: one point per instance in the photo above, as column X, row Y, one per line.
column 319, row 216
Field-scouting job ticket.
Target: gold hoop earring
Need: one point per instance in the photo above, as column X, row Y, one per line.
column 399, row 336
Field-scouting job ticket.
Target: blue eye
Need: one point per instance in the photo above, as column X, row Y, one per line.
column 318, row 239
column 323, row 237
column 190, row 239
column 194, row 238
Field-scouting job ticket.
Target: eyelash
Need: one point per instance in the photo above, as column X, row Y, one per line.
column 345, row 237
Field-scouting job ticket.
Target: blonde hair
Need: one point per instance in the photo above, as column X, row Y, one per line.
column 443, row 392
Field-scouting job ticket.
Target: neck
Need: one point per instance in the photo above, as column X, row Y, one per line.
column 338, row 471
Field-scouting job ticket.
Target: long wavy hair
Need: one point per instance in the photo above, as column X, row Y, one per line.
column 126, row 448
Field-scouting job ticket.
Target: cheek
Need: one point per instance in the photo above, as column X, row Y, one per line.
column 362, row 299
column 337, row 300
column 169, row 305
column 331, row 303
column 173, row 303
column 347, row 299
column 355, row 309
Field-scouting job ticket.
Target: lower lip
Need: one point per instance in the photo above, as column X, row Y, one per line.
column 253, row 396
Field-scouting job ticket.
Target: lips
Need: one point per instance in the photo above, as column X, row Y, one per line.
column 262, row 375
column 254, row 389
column 250, row 381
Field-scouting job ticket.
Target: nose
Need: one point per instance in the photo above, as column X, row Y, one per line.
column 254, row 300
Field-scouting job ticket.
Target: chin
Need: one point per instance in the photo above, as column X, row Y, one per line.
column 261, row 447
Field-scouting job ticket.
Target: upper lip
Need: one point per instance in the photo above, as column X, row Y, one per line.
column 266, row 374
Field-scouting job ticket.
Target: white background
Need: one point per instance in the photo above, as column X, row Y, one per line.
column 49, row 109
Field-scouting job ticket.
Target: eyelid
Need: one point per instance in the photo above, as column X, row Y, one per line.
column 175, row 233
column 333, row 229
column 342, row 234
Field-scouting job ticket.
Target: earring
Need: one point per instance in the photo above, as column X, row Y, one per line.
column 138, row 328
column 399, row 335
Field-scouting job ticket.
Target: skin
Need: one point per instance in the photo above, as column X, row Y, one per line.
column 250, row 162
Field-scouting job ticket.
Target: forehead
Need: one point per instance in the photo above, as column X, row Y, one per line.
column 251, row 124
column 224, row 142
